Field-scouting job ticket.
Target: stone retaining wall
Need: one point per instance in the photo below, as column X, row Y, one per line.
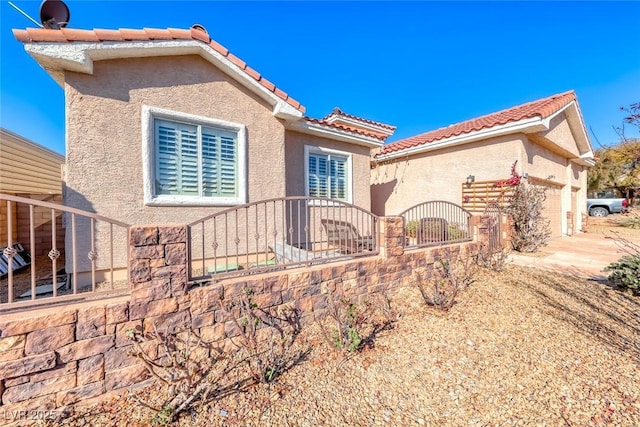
column 53, row 357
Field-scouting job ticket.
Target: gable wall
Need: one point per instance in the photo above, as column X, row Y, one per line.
column 438, row 175
column 104, row 140
column 104, row 132
column 560, row 133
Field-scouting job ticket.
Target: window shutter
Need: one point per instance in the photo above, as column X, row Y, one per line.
column 167, row 158
column 228, row 157
column 339, row 177
column 192, row 166
column 318, row 176
column 189, row 160
column 327, row 176
column 210, row 181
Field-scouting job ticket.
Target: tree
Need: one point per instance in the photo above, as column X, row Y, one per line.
column 618, row 166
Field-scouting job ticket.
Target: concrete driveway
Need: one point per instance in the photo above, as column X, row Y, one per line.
column 583, row 255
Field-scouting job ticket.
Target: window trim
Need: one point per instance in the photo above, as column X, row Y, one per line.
column 310, row 149
column 149, row 114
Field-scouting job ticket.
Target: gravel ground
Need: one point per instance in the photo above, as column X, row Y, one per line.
column 521, row 347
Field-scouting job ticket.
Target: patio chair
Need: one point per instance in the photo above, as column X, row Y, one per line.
column 345, row 236
column 433, row 230
column 287, row 254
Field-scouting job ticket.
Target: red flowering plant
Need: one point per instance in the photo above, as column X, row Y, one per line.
column 530, row 229
column 512, row 181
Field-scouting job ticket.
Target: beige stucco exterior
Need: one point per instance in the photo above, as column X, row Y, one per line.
column 439, row 174
column 360, row 159
column 106, row 116
column 104, row 133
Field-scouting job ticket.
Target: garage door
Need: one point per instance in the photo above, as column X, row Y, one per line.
column 553, row 210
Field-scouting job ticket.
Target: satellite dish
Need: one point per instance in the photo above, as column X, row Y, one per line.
column 54, row 14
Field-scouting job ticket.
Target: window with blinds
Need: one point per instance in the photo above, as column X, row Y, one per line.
column 195, row 160
column 328, row 176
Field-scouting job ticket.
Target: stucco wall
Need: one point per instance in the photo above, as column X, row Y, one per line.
column 545, row 164
column 561, row 134
column 104, row 134
column 295, row 143
column 438, row 175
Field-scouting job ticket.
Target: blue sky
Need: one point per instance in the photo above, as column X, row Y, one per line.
column 416, row 65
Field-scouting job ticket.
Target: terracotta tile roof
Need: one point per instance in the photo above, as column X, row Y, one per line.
column 338, row 112
column 35, row 35
column 346, row 128
column 542, row 108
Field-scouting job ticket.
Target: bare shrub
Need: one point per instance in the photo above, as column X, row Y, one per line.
column 531, row 230
column 352, row 325
column 450, row 273
column 348, row 321
column 492, row 259
column 266, row 337
column 186, row 367
column 632, row 220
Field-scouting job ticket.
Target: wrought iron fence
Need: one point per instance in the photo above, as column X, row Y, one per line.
column 279, row 233
column 436, row 223
column 52, row 253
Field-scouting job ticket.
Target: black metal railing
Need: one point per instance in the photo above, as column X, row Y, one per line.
column 436, row 223
column 279, row 233
column 52, row 253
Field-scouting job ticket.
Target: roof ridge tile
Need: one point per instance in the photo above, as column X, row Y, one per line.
column 339, row 112
column 345, row 128
column 97, row 35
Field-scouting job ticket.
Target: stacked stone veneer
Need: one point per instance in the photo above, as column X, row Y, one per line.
column 52, row 358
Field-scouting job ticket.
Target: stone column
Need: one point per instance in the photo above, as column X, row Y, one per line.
column 157, row 262
column 391, row 236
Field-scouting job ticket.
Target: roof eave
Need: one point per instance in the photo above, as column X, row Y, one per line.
column 535, row 124
column 586, row 159
column 56, row 58
column 309, row 128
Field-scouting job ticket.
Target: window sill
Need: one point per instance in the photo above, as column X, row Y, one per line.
column 193, row 201
column 328, row 202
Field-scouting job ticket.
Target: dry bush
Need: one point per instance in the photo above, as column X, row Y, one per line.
column 531, row 230
column 349, row 326
column 186, row 367
column 631, row 220
column 266, row 337
column 492, row 259
column 450, row 273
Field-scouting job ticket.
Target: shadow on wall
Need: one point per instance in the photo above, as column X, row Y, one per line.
column 380, row 193
column 83, row 230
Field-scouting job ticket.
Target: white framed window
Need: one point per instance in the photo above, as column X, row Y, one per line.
column 328, row 173
column 192, row 160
